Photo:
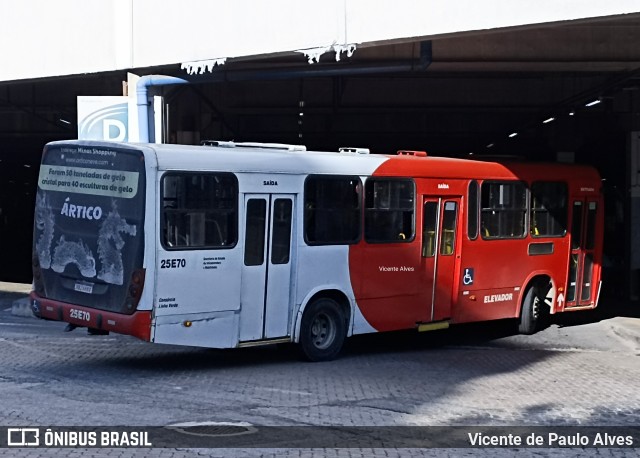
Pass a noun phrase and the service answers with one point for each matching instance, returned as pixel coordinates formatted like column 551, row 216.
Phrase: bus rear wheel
column 534, row 310
column 323, row 330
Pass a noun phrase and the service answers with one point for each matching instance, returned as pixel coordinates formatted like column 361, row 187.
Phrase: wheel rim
column 323, row 331
column 535, row 308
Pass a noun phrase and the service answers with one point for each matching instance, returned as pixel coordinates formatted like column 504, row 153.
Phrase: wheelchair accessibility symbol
column 467, row 278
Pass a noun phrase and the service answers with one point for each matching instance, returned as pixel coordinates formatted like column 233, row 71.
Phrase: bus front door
column 580, row 288
column 266, row 272
column 439, row 228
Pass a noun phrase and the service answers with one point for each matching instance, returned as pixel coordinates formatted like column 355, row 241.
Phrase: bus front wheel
column 323, row 330
column 531, row 313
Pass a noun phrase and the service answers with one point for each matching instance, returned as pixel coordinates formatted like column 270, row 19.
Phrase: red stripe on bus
column 137, row 324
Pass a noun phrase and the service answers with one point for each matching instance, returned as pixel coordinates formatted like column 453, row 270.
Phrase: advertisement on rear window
column 88, row 235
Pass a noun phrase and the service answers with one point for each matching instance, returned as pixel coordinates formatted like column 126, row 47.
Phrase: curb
column 22, row 307
column 628, row 329
column 632, row 340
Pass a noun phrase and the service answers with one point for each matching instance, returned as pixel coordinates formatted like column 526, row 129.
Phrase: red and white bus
column 233, row 245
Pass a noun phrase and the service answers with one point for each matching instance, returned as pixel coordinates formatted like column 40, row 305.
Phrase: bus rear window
column 199, row 210
column 89, row 224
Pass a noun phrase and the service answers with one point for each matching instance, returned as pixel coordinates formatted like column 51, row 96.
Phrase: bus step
column 255, row 343
column 424, row 327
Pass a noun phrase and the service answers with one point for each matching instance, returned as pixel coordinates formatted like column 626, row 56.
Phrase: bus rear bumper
column 137, row 324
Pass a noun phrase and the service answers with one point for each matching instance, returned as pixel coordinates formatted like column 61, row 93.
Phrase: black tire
column 323, row 330
column 531, row 313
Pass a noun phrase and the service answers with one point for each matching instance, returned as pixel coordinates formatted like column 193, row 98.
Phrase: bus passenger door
column 266, row 272
column 439, row 237
column 580, row 288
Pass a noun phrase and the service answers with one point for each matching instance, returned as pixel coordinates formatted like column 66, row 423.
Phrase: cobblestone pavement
column 579, row 371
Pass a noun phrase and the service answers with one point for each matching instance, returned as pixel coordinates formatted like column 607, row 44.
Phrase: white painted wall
column 40, row 38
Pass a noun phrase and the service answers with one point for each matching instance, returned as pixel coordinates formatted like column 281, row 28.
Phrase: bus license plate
column 84, row 288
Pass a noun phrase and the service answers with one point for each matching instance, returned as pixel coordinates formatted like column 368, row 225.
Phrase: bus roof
column 251, row 158
column 303, row 162
column 255, row 159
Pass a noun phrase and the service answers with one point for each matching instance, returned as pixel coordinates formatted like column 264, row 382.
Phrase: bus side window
column 472, row 211
column 503, row 209
column 199, row 210
column 447, row 238
column 281, row 236
column 332, row 210
column 429, row 225
column 389, row 204
column 549, row 209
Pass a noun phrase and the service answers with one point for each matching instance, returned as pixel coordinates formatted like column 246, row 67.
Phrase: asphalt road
column 582, row 371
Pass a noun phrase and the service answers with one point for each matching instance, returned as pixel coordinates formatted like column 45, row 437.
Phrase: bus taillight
column 136, row 285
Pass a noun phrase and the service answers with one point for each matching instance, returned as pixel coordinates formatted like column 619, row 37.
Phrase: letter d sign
column 113, row 126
